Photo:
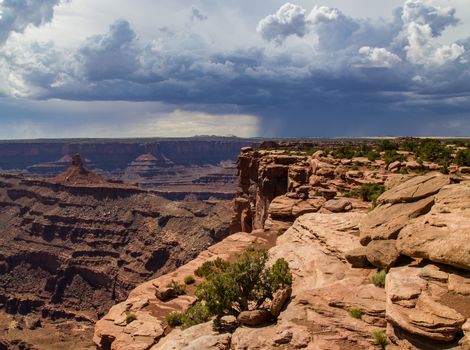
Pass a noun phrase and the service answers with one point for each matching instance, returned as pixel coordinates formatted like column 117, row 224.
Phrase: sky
column 268, row 68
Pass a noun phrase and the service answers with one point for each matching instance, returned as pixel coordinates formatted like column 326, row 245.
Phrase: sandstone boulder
column 382, row 253
column 442, row 235
column 338, row 205
column 415, row 189
column 357, row 257
column 328, row 193
column 321, row 168
column 464, row 170
column 394, row 166
column 254, row 317
column 413, row 165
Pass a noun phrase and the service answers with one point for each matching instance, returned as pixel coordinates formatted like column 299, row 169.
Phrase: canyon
column 375, row 233
column 73, row 245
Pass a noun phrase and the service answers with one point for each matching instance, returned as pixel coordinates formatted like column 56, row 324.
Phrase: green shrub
column 373, row 155
column 379, row 337
column 370, row 192
column 388, row 145
column 343, row 152
column 178, row 287
column 130, row 318
column 195, row 314
column 362, row 151
column 391, row 156
column 379, row 279
column 411, row 145
column 434, row 151
column 444, row 169
column 210, row 267
column 189, row 280
column 463, row 157
column 246, row 281
column 174, row 319
column 355, row 313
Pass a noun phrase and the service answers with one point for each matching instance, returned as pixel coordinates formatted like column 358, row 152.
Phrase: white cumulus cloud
column 288, row 20
column 378, row 57
column 423, row 49
column 438, row 19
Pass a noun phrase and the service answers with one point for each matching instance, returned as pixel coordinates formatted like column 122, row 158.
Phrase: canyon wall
column 118, row 154
column 74, row 245
column 173, row 167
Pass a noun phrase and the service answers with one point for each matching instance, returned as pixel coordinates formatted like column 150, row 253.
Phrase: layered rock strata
column 74, row 245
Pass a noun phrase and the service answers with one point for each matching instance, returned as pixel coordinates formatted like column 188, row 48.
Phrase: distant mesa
column 51, row 168
column 151, row 158
column 148, row 165
column 77, row 174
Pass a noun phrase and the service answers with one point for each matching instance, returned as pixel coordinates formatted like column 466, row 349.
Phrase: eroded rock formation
column 418, row 233
column 74, row 245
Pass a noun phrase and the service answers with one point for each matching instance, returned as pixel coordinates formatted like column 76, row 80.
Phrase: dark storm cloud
column 326, row 74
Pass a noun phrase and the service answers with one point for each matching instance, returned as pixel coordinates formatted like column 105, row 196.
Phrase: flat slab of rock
column 386, row 221
column 198, row 337
column 286, row 208
column 417, row 188
column 396, row 179
column 442, row 235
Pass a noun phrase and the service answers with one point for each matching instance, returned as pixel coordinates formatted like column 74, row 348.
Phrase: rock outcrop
column 112, row 333
column 442, row 235
column 426, row 218
column 316, row 317
column 333, row 257
column 284, row 185
column 416, row 303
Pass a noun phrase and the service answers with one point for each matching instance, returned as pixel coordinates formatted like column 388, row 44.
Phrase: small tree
column 244, row 282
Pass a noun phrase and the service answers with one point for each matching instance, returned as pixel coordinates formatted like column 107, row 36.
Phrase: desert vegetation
column 379, row 279
column 380, row 338
column 231, row 288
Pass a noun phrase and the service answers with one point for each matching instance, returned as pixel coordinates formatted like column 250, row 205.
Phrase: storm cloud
column 311, row 72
